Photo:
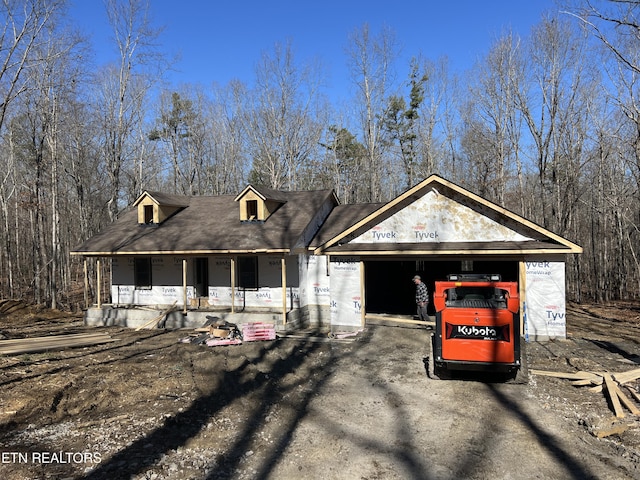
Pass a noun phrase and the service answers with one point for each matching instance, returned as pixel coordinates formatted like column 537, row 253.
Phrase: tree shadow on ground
column 272, row 384
column 233, row 385
column 494, row 382
column 575, row 469
column 613, row 348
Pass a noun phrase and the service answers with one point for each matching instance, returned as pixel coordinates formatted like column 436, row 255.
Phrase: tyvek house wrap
column 545, row 304
column 436, row 218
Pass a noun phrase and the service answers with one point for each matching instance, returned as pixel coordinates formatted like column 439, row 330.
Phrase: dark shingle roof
column 167, row 199
column 210, row 225
column 341, row 218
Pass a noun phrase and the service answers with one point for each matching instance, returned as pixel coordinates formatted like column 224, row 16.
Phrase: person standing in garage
column 422, row 298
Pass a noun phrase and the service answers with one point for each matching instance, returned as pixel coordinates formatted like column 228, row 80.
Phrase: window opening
column 142, row 273
column 248, row 272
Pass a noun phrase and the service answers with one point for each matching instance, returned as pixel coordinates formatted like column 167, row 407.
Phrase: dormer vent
column 258, row 203
column 154, row 208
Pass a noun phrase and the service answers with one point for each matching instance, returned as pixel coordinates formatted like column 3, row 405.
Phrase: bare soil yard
column 149, row 407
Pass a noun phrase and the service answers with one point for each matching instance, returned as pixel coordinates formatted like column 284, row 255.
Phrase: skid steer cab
column 477, row 327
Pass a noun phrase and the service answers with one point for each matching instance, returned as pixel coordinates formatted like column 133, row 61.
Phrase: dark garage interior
column 389, row 288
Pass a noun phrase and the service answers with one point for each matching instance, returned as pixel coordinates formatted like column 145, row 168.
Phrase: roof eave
column 254, row 251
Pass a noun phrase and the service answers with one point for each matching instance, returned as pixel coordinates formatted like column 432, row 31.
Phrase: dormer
column 258, row 203
column 154, row 207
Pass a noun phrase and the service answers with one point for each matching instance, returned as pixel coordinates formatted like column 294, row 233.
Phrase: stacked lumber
column 257, row 331
column 52, row 342
column 610, row 383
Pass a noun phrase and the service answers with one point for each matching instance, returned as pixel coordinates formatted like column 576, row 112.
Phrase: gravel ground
column 150, row 407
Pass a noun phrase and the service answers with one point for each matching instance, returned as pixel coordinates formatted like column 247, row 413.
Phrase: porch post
column 184, row 284
column 233, row 284
column 86, row 283
column 99, row 281
column 362, row 304
column 283, row 266
column 522, row 285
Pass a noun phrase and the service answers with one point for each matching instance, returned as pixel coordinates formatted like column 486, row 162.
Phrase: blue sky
column 222, row 40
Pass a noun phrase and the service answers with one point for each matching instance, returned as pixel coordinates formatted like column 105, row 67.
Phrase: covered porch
column 187, row 291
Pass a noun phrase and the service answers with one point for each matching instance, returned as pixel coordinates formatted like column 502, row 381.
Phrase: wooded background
column 546, row 125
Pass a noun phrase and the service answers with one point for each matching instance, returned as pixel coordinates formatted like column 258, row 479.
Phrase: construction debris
column 341, row 335
column 218, row 333
column 153, row 323
column 256, row 331
column 610, row 382
column 609, row 426
column 52, row 342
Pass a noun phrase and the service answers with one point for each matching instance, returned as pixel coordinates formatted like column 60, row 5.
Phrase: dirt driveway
column 149, row 407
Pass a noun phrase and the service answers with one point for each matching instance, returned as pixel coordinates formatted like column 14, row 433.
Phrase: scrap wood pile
column 612, row 384
column 224, row 333
column 157, row 321
column 52, row 342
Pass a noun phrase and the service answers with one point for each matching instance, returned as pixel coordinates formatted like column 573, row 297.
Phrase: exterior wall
column 243, row 205
column 314, row 281
column 346, row 292
column 315, row 296
column 268, row 295
column 330, row 291
column 220, row 281
column 168, row 288
column 544, row 307
column 166, row 275
column 164, row 212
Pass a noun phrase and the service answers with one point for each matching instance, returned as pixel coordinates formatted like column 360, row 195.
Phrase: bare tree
column 616, row 24
column 493, row 124
column 23, row 22
column 554, row 105
column 21, row 34
column 431, row 128
column 227, row 171
column 285, row 119
column 370, row 59
column 124, row 85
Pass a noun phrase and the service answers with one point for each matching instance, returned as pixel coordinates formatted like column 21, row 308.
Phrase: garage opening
column 389, row 288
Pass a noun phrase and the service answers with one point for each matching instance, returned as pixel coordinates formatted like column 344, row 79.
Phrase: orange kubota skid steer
column 477, row 327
